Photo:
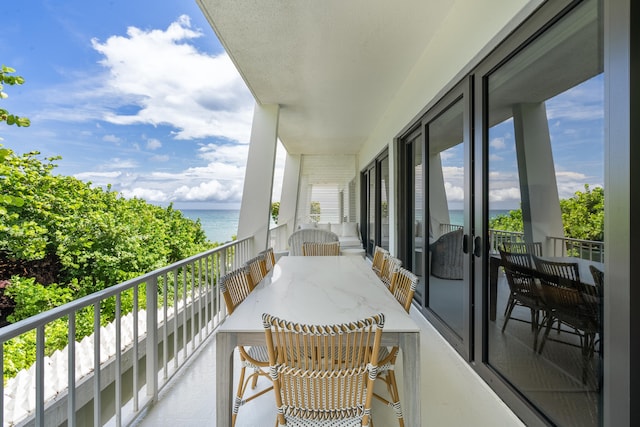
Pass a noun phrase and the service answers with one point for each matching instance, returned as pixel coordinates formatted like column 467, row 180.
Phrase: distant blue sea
column 220, row 225
column 457, row 216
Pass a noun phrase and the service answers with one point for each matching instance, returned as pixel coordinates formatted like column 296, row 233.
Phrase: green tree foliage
column 275, row 211
column 511, row 221
column 315, row 211
column 9, row 119
column 6, row 78
column 99, row 237
column 582, row 216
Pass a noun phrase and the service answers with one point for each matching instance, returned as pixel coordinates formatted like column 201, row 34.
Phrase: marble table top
column 319, row 290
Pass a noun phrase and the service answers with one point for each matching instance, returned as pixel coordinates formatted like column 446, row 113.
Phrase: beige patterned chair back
column 323, row 374
column 297, row 238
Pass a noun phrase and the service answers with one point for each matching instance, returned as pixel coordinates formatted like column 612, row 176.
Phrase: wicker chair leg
column 389, row 379
column 256, row 374
column 238, row 400
column 395, row 396
column 512, row 303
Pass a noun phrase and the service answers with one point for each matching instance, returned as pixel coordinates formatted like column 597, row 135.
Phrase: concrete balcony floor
column 452, row 394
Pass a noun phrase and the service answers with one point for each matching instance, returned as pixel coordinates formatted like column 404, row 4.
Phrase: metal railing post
column 152, row 338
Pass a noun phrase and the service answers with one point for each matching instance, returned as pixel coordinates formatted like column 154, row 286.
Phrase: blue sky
column 137, row 94
column 576, row 130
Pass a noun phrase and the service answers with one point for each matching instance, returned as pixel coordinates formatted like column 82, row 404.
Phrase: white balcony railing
column 556, row 246
column 134, row 356
column 278, row 236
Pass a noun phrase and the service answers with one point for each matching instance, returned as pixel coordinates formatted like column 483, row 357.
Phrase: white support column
column 289, row 197
column 258, row 182
column 438, row 207
column 538, row 188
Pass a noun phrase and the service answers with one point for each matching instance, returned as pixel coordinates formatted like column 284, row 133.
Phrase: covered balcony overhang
column 333, row 67
column 337, row 68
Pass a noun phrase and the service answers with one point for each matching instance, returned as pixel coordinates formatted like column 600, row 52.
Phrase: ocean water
column 457, row 216
column 220, row 225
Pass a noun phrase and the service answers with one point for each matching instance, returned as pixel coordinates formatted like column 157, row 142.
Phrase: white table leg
column 410, row 345
column 225, row 344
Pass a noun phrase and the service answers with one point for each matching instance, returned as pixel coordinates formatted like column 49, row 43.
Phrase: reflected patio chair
column 378, row 259
column 269, row 258
column 321, row 249
column 533, row 248
column 571, row 303
column 563, row 270
column 257, row 268
column 523, row 290
column 598, row 278
column 323, row 374
column 235, row 287
column 447, row 256
column 403, row 287
column 390, row 265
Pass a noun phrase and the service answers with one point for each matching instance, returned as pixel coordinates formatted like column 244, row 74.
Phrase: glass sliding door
column 384, row 201
column 544, row 141
column 435, row 182
column 447, row 176
column 411, row 226
column 375, row 197
column 371, row 210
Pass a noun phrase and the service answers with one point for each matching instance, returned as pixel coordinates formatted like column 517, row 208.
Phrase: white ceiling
column 332, row 65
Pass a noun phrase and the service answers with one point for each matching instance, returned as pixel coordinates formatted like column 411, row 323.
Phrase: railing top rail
column 25, row 325
column 581, row 241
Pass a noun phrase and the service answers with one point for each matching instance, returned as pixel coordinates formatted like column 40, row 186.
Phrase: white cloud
column 224, row 153
column 511, row 194
column 497, row 143
column 160, row 158
column 147, row 194
column 117, row 163
column 156, row 77
column 111, row 138
column 214, row 191
column 172, row 83
column 454, row 193
column 153, row 144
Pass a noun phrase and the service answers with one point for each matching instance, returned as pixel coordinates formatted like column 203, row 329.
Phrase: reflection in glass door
column 545, row 181
column 412, row 229
column 446, row 189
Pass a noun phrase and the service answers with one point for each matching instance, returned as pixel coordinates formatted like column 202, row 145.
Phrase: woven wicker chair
column 297, row 238
column 570, row 303
column 269, row 258
column 323, row 375
column 447, row 257
column 235, row 287
column 523, row 290
column 389, row 266
column 403, row 286
column 321, row 249
column 257, row 268
column 533, row 248
column 378, row 259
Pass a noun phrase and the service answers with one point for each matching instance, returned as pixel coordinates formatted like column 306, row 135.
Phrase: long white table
column 318, row 290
